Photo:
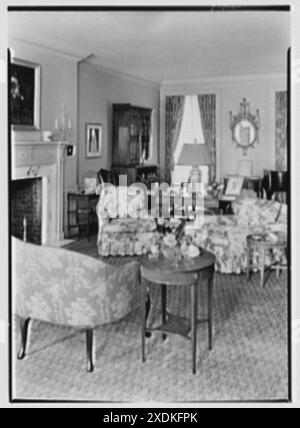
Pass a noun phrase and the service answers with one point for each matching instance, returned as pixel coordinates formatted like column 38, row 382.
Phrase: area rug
column 249, row 361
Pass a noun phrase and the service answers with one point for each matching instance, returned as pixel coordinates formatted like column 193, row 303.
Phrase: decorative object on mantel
column 63, row 126
column 93, row 140
column 47, row 136
column 25, row 79
column 33, row 171
column 245, row 127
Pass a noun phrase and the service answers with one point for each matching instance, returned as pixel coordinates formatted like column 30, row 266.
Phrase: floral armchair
column 225, row 236
column 125, row 228
column 63, row 287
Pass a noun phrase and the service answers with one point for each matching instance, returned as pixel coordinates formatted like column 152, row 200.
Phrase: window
column 191, row 132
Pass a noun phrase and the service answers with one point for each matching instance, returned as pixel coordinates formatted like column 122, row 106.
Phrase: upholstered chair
column 63, row 287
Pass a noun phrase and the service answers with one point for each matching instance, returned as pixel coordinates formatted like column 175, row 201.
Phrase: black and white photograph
column 93, row 140
column 154, row 262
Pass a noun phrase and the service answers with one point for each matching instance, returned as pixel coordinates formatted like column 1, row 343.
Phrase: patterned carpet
column 249, row 360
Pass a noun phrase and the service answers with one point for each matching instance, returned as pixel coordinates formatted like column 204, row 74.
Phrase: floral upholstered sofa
column 125, row 228
column 225, row 236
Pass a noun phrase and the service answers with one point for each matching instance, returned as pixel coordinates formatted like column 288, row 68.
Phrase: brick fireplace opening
column 26, row 209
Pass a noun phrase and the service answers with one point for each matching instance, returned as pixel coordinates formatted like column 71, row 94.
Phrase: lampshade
column 195, row 154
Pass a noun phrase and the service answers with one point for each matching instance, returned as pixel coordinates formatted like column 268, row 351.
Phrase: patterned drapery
column 281, row 131
column 207, row 104
column 174, row 114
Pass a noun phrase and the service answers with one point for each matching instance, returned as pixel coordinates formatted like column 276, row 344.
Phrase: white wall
column 259, row 91
column 98, row 90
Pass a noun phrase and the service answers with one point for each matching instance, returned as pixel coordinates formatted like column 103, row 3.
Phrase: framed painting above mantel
column 25, row 97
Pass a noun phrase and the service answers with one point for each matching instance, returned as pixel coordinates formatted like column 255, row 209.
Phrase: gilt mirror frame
column 245, row 115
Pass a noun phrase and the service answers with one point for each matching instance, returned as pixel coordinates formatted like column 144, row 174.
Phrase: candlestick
column 24, row 229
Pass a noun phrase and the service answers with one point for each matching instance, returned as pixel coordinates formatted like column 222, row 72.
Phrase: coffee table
column 189, row 273
column 263, row 242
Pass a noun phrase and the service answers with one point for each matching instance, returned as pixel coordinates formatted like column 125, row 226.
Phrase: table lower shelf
column 176, row 325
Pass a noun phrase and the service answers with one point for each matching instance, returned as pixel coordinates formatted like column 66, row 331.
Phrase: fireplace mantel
column 30, row 153
column 46, row 160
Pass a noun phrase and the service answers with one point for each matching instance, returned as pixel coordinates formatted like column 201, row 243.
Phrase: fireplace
column 37, row 189
column 26, row 209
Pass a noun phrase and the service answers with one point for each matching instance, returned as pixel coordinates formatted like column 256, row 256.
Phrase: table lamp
column 195, row 155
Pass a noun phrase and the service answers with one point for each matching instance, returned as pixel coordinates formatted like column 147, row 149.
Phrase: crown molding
column 80, row 55
column 131, row 77
column 64, row 51
column 228, row 79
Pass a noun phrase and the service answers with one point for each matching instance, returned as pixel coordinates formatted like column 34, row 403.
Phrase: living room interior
column 159, row 97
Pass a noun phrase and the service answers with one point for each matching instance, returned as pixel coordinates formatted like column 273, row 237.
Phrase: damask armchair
column 63, row 287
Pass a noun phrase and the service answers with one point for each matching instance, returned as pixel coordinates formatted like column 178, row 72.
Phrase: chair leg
column 194, row 305
column 210, row 312
column 24, row 324
column 89, row 350
column 164, row 307
column 262, row 268
column 147, row 307
column 143, row 316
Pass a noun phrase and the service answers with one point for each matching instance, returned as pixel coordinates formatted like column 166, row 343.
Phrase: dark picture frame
column 93, row 140
column 25, row 97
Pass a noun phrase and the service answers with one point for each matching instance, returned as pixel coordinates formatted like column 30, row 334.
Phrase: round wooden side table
column 189, row 273
column 262, row 243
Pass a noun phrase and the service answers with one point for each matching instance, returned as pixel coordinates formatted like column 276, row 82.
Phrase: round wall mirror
column 245, row 127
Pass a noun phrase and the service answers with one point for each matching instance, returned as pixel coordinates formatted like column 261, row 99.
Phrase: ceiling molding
column 94, row 61
column 228, row 79
column 79, row 55
column 64, row 51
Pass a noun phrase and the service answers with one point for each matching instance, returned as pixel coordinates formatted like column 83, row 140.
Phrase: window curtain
column 207, row 104
column 174, row 115
column 281, row 131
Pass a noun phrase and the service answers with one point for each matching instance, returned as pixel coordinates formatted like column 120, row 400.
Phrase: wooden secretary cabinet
column 131, row 139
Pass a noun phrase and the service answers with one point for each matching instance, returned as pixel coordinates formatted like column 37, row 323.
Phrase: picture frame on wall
column 25, row 94
column 93, row 137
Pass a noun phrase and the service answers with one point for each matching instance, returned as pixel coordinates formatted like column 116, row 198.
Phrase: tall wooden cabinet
column 131, row 139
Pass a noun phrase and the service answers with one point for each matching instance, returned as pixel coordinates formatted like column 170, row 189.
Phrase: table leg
column 278, row 272
column 147, row 309
column 210, row 311
column 69, row 217
column 262, row 268
column 143, row 316
column 194, row 315
column 164, row 306
column 248, row 261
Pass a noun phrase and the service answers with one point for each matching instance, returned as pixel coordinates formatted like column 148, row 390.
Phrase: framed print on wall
column 25, row 97
column 93, row 137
